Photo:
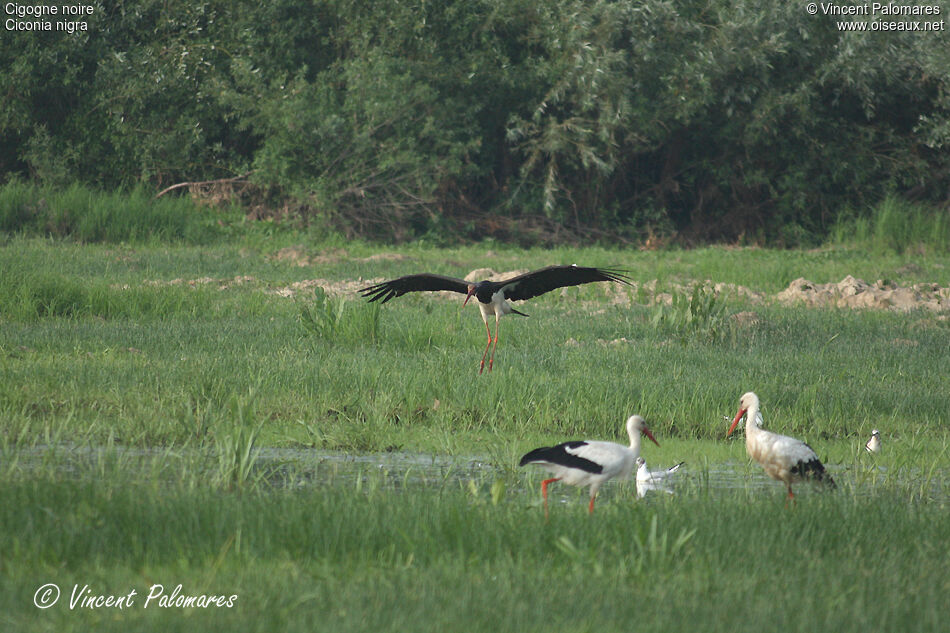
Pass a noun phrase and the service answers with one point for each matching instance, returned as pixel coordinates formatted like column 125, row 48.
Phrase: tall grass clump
column 699, row 315
column 87, row 215
column 17, row 205
column 336, row 319
column 897, row 226
column 235, row 444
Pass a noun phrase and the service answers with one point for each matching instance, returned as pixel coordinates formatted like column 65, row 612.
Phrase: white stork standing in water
column 589, row 463
column 784, row 458
column 648, row 480
column 873, row 445
column 493, row 296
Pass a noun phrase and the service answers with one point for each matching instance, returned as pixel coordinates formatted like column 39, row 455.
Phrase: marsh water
column 281, row 468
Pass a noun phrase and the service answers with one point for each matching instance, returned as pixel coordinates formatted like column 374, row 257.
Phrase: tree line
column 518, row 119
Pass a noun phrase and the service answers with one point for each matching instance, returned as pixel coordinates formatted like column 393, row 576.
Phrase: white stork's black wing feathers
column 547, row 279
column 562, row 455
column 413, row 283
column 813, row 469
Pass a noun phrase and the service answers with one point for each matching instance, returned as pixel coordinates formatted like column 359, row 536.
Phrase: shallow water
column 312, row 466
column 279, row 466
column 301, row 467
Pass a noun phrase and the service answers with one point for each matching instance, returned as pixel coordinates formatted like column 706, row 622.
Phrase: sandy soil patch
column 857, row 293
column 223, row 284
column 298, row 256
column 347, row 289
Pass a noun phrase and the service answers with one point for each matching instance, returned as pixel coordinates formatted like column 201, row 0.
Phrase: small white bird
column 873, row 445
column 784, row 458
column 648, row 480
column 589, row 463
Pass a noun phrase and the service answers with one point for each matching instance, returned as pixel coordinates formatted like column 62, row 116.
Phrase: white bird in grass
column 784, row 458
column 873, row 445
column 589, row 463
column 648, row 480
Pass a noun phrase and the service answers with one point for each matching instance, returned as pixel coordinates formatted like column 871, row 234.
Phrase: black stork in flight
column 493, row 296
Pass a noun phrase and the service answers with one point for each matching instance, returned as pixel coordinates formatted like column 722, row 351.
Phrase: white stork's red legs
column 493, row 296
column 784, row 458
column 589, row 463
column 544, row 493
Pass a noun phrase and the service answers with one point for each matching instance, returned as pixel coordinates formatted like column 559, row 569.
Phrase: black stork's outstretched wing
column 518, row 288
column 413, row 283
column 547, row 279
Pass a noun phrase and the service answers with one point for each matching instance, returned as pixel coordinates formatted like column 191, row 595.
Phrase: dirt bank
column 850, row 292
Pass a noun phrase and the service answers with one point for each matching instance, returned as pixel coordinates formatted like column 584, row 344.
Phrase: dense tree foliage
column 711, row 119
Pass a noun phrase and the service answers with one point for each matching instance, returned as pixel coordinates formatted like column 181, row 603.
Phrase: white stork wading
column 648, row 480
column 493, row 296
column 873, row 445
column 589, row 463
column 783, row 458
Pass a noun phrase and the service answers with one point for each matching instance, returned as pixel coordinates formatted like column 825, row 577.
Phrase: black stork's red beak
column 471, row 291
column 735, row 422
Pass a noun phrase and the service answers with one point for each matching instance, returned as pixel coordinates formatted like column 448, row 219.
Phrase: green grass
column 342, row 555
column 91, row 346
column 134, row 409
column 164, row 377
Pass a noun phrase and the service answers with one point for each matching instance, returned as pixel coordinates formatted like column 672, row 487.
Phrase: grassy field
column 170, row 364
column 441, row 557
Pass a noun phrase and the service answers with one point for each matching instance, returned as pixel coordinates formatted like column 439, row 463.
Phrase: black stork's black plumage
column 493, row 296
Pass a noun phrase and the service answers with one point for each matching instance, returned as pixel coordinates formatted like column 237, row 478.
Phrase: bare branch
column 201, row 183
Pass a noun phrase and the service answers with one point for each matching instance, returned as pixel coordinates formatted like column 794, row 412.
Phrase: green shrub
column 711, row 120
